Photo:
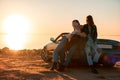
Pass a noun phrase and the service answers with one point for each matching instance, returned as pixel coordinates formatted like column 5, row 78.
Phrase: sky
column 52, row 17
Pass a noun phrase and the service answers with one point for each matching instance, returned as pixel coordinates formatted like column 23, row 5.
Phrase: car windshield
column 59, row 37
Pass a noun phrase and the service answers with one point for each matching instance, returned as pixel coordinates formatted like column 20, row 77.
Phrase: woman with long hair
column 91, row 32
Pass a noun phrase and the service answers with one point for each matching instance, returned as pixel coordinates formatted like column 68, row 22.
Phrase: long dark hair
column 89, row 19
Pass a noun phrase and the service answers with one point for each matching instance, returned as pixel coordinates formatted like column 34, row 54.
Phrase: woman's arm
column 82, row 34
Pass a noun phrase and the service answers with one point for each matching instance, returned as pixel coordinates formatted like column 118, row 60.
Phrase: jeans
column 70, row 54
column 60, row 50
column 91, row 47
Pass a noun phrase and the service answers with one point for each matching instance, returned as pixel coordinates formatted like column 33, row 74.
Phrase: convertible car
column 108, row 49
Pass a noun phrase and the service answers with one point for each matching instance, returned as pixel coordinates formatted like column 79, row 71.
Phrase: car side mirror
column 52, row 39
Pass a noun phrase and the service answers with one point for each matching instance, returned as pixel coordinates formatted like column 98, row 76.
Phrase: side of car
column 109, row 51
column 48, row 49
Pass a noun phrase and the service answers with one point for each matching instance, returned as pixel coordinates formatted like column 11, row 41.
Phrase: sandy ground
column 27, row 68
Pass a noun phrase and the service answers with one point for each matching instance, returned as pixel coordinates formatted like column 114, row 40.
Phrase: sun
column 16, row 26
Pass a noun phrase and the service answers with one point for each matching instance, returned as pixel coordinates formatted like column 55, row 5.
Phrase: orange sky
column 53, row 17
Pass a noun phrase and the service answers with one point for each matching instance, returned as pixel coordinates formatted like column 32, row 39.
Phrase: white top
column 77, row 30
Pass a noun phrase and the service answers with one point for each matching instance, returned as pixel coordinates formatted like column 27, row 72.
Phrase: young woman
column 91, row 32
column 59, row 52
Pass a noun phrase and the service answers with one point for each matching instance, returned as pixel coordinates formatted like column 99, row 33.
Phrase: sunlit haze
column 30, row 23
column 16, row 27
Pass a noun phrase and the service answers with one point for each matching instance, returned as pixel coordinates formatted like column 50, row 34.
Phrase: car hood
column 51, row 46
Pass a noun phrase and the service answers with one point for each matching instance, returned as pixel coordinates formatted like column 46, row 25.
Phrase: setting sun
column 16, row 26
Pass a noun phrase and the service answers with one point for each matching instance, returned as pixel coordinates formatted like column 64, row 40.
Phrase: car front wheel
column 46, row 55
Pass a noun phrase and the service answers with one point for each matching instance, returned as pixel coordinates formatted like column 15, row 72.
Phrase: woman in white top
column 59, row 52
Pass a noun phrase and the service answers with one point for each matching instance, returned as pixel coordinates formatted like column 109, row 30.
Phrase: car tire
column 45, row 55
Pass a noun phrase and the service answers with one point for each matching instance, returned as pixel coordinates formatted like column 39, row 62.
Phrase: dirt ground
column 34, row 68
